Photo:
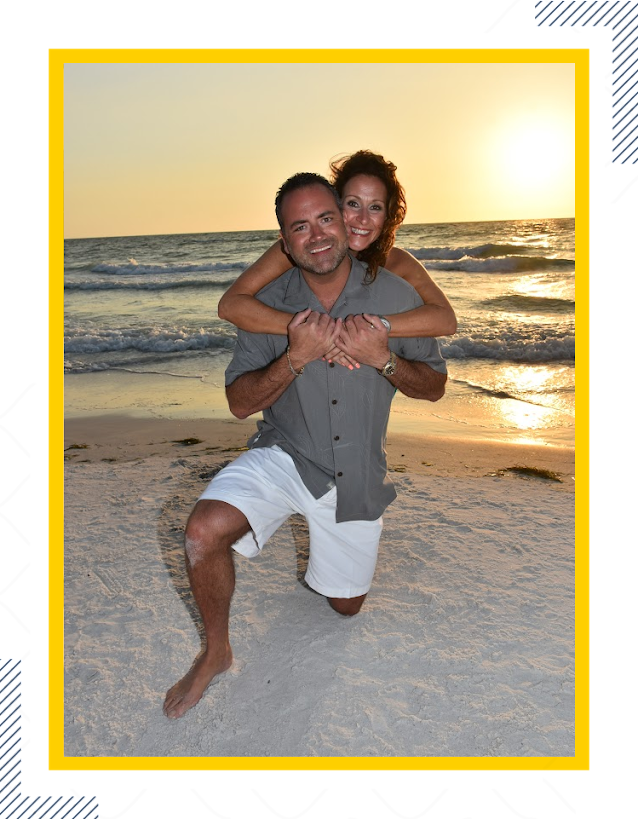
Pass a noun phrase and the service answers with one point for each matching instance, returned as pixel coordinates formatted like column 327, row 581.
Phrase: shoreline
column 125, row 438
column 190, row 396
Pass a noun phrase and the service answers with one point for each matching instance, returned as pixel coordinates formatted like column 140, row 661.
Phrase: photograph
column 312, row 307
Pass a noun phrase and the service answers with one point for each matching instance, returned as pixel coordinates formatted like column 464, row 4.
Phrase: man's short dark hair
column 298, row 181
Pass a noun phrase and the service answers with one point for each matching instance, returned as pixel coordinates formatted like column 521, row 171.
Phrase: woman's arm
column 436, row 317
column 239, row 305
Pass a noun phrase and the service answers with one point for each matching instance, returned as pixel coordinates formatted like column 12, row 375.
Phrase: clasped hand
column 350, row 341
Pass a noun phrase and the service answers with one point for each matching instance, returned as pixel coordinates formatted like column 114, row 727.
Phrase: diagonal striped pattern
column 10, row 681
column 620, row 18
column 10, row 739
column 17, row 805
column 615, row 13
column 13, row 804
column 624, row 99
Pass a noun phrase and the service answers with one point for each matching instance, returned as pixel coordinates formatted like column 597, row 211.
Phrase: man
column 320, row 449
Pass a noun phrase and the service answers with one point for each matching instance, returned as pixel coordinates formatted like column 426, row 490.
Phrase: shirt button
column 336, row 437
column 334, row 400
column 339, row 474
column 332, row 363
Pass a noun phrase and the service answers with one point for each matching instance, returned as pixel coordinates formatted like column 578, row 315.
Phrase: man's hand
column 311, row 335
column 365, row 339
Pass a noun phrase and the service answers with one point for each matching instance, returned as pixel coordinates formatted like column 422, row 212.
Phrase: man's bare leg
column 211, row 530
column 348, row 606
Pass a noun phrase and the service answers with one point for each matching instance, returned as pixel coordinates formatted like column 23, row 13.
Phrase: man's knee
column 348, row 606
column 213, row 525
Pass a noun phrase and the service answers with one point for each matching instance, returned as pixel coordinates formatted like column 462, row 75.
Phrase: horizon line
column 276, row 229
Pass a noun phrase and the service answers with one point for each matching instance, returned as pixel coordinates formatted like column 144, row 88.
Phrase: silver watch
column 391, row 367
column 385, row 323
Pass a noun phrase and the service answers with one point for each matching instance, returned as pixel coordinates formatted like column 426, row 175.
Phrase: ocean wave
column 474, row 251
column 75, row 267
column 147, row 341
column 505, row 347
column 429, row 253
column 145, row 277
column 506, row 264
column 132, row 268
column 491, row 249
column 510, row 348
column 486, row 251
column 531, row 304
column 148, row 285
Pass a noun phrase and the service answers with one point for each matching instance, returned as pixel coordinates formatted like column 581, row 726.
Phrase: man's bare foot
column 189, row 690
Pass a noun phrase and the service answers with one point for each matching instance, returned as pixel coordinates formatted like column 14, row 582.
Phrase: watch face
column 391, row 367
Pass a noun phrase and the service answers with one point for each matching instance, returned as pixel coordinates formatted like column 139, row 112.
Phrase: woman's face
column 364, row 210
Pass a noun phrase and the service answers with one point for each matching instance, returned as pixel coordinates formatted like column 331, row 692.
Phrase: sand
column 464, row 647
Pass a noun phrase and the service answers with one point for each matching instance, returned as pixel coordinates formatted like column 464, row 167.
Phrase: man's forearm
column 416, row 379
column 310, row 334
column 254, row 391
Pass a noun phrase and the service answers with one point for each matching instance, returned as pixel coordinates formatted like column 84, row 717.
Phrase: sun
column 532, row 154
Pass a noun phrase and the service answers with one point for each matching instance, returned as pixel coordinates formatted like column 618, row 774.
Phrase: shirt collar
column 299, row 296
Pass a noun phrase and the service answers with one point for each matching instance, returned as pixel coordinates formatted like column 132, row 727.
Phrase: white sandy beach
column 464, row 647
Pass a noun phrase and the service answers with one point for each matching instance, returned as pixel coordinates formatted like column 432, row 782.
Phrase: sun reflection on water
column 523, row 415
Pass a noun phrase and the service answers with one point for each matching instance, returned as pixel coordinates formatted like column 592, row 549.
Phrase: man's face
column 313, row 230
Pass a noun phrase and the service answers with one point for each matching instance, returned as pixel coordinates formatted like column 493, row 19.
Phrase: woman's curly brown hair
column 371, row 164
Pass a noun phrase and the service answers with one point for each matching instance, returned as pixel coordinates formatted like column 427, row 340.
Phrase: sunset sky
column 187, row 148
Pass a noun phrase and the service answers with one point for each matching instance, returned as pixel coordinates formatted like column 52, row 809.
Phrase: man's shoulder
column 274, row 292
column 388, row 282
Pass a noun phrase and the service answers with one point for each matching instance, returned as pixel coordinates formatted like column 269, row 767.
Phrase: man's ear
column 283, row 241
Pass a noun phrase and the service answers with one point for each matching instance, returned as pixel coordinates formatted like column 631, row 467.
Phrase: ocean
column 142, row 335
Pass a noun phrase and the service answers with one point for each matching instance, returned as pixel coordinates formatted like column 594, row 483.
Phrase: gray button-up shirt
column 331, row 420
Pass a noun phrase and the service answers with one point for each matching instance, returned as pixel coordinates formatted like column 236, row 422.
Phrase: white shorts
column 264, row 484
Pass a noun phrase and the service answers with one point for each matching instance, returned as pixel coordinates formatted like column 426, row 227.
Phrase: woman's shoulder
column 399, row 261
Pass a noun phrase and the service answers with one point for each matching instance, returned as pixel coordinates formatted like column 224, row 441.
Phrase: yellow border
column 57, row 60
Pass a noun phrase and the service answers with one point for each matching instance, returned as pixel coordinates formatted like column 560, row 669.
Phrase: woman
column 373, row 207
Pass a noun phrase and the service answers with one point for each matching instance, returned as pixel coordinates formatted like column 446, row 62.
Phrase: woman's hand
column 339, row 357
